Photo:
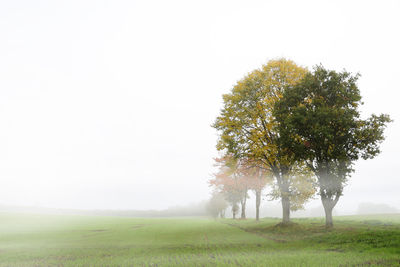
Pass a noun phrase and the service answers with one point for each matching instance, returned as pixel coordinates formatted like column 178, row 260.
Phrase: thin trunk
column 243, row 203
column 222, row 214
column 258, row 202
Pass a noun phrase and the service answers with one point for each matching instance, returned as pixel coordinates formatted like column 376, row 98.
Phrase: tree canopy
column 319, row 123
column 247, row 126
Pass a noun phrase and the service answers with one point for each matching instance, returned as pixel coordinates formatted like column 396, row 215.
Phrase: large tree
column 247, row 127
column 319, row 122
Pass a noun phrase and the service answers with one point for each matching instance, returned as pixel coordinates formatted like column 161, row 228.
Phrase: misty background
column 107, row 105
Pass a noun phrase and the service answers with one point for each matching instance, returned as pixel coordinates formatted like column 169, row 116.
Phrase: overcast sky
column 108, row 104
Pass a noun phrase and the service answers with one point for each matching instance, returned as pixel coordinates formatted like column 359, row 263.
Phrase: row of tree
column 299, row 131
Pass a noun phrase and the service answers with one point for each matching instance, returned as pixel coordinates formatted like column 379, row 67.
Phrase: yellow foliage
column 247, row 126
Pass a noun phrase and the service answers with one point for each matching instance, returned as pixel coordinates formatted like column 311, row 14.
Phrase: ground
column 61, row 240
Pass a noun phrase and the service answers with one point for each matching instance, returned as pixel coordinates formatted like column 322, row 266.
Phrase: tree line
column 297, row 131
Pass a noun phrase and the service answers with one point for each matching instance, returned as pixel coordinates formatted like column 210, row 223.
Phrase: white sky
column 108, row 104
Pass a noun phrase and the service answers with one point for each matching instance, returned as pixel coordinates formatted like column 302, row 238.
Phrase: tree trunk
column 258, row 202
column 243, row 203
column 329, row 204
column 234, row 214
column 285, row 194
column 330, row 192
column 285, row 197
column 222, row 214
column 285, row 209
column 328, row 217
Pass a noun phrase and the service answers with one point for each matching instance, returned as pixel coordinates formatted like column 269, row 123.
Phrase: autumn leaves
column 295, row 130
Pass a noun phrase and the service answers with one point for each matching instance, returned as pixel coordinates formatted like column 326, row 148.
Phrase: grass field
column 61, row 240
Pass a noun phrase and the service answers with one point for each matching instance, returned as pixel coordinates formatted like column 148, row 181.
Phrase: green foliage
column 319, row 119
column 319, row 122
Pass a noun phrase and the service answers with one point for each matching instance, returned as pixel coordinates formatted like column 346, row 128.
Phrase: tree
column 235, row 208
column 236, row 177
column 248, row 129
column 319, row 122
column 256, row 178
column 244, row 181
column 228, row 181
column 217, row 205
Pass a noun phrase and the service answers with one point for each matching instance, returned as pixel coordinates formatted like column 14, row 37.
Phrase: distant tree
column 217, row 205
column 318, row 121
column 256, row 178
column 247, row 126
column 230, row 181
column 244, row 183
column 235, row 209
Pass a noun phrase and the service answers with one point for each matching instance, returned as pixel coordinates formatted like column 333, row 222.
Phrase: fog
column 107, row 105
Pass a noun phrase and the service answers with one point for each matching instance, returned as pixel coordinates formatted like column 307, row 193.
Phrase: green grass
column 58, row 240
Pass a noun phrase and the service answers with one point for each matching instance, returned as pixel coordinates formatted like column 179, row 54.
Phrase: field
column 61, row 240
